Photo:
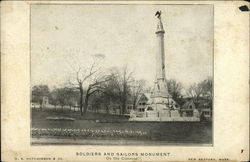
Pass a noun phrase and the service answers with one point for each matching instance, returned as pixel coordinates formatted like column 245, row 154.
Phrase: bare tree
column 101, row 99
column 174, row 88
column 39, row 92
column 81, row 78
column 207, row 87
column 121, row 81
column 61, row 96
column 71, row 96
column 201, row 89
column 109, row 93
column 86, row 78
column 136, row 89
column 95, row 86
column 195, row 90
column 53, row 98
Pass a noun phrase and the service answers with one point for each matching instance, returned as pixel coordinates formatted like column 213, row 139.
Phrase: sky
column 124, row 35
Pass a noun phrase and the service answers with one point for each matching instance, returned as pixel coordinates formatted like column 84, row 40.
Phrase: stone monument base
column 166, row 119
column 166, row 116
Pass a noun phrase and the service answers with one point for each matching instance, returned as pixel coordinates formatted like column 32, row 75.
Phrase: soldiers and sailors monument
column 161, row 106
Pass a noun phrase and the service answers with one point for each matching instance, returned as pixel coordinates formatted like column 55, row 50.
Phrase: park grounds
column 65, row 127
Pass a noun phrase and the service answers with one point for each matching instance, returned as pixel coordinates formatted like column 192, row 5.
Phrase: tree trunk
column 81, row 96
column 86, row 103
column 134, row 105
column 87, row 99
column 107, row 109
column 120, row 108
column 96, row 108
column 41, row 105
column 124, row 98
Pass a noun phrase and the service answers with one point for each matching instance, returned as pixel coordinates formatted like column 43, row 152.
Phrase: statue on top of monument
column 158, row 14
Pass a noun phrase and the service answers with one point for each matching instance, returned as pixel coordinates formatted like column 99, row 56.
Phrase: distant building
column 129, row 107
column 204, row 106
column 141, row 104
column 187, row 108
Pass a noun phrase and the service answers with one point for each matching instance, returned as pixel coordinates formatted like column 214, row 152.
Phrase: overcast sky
column 125, row 35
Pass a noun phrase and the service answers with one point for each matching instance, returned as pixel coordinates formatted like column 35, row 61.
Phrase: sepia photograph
column 121, row 74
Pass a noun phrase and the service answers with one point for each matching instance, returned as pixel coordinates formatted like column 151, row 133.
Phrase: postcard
column 125, row 81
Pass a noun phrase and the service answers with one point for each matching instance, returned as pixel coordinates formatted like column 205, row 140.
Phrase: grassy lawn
column 174, row 132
